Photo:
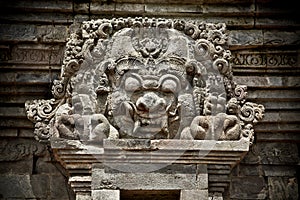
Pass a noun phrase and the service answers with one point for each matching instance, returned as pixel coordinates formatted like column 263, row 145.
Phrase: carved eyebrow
column 170, row 77
column 132, row 84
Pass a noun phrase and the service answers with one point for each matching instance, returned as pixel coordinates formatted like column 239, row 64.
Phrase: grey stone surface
column 248, row 187
column 16, row 32
column 106, row 194
column 16, row 186
column 40, row 185
column 98, row 7
column 125, row 7
column 193, row 194
column 18, row 149
column 147, row 181
column 281, row 37
column 53, row 34
column 17, row 167
column 8, row 132
column 159, row 8
column 248, row 38
column 283, row 188
column 58, row 187
column 81, row 7
column 272, row 153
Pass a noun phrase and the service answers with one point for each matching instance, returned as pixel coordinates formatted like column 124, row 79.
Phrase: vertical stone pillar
column 216, row 197
column 106, row 194
column 201, row 190
column 80, row 196
column 193, row 194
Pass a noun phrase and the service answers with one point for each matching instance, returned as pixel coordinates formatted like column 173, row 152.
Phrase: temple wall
column 264, row 41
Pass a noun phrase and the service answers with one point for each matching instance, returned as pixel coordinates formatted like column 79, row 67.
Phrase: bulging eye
column 169, row 85
column 132, row 84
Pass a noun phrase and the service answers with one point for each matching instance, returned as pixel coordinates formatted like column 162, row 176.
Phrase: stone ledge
column 151, row 151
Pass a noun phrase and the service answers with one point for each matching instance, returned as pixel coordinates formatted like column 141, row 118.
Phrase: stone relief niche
column 145, row 90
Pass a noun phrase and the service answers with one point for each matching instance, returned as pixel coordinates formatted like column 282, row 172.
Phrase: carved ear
column 231, row 128
column 199, row 127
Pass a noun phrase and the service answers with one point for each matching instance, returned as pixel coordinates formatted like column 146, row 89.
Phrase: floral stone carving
column 147, row 79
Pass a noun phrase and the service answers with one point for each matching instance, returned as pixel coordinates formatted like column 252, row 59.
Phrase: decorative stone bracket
column 193, row 167
column 145, row 94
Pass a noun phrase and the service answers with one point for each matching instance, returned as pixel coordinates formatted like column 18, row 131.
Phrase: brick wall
column 264, row 40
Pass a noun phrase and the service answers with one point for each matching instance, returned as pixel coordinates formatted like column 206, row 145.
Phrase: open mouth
column 149, row 127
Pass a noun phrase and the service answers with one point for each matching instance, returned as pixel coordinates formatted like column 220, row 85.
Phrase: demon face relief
column 146, row 79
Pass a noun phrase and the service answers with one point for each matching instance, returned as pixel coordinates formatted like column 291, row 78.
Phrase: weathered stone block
column 272, row 153
column 26, row 133
column 169, row 8
column 40, row 185
column 276, row 61
column 4, row 52
column 281, row 38
column 276, row 22
column 125, row 7
column 148, row 181
column 16, row 186
column 246, row 38
column 17, row 167
column 268, row 82
column 58, row 187
column 18, row 149
column 193, row 194
column 32, row 17
column 39, row 6
column 81, row 7
column 250, row 170
column 228, row 9
column 230, row 21
column 248, row 187
column 97, row 7
column 279, row 136
column 270, row 170
column 11, row 111
column 283, row 188
column 80, row 196
column 5, row 132
column 39, row 54
column 46, row 166
column 106, row 194
column 50, row 33
column 18, row 32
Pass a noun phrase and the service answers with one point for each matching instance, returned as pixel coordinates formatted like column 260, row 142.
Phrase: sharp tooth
column 136, row 125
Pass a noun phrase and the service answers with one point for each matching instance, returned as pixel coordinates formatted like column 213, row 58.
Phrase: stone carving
column 265, row 59
column 149, row 79
column 13, row 150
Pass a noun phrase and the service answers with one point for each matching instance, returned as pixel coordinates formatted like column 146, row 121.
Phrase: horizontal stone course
column 273, row 153
column 38, row 6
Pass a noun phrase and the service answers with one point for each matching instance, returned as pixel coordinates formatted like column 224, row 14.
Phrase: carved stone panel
column 137, row 95
column 146, row 79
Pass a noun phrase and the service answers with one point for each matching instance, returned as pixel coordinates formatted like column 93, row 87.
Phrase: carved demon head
column 150, row 79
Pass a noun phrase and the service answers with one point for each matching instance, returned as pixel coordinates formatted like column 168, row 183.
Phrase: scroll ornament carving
column 146, row 78
column 14, row 150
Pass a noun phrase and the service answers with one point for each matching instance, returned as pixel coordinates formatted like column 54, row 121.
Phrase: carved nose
column 150, row 101
column 142, row 105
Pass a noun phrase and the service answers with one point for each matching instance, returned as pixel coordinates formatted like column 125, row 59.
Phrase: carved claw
column 199, row 127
